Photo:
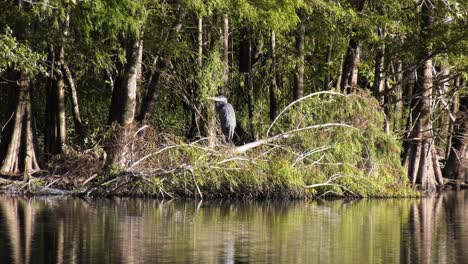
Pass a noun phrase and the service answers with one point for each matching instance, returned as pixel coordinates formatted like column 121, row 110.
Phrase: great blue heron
column 226, row 114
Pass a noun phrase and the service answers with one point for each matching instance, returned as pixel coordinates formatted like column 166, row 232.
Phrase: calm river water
column 70, row 230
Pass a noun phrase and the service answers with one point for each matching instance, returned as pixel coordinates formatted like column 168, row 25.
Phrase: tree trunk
column 210, row 124
column 61, row 117
column 350, row 67
column 202, row 120
column 139, row 71
column 454, row 108
column 424, row 170
column 250, row 89
column 409, row 102
column 386, row 100
column 122, row 110
column 19, row 139
column 457, row 162
column 149, row 98
column 56, row 129
column 204, row 115
column 339, row 74
column 398, row 110
column 408, row 84
column 424, row 134
column 351, row 61
column 445, row 110
column 55, row 111
column 273, row 83
column 437, row 170
column 197, row 123
column 66, row 72
column 79, row 126
column 298, row 91
column 379, row 68
column 225, row 44
column 327, row 84
column 200, row 42
column 124, row 94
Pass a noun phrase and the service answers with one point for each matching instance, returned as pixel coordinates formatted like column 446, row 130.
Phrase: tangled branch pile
column 326, row 145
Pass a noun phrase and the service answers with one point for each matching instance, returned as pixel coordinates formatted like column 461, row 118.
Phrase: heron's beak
column 214, row 99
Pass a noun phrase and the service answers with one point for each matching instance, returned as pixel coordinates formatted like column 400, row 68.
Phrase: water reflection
column 67, row 230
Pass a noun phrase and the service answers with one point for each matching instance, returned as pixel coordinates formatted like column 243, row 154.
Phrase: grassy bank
column 325, row 145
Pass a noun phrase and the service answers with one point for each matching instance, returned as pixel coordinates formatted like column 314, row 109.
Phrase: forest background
column 349, row 98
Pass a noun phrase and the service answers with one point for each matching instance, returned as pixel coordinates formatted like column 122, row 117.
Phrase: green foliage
column 366, row 158
column 265, row 15
column 18, row 56
column 359, row 162
column 209, row 78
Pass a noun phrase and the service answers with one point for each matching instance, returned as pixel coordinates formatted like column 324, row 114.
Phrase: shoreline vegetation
column 350, row 98
column 337, row 152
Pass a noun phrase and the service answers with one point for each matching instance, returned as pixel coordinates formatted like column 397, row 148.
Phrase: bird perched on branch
column 227, row 116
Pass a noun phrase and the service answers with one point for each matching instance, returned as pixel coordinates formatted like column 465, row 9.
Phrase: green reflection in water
column 68, row 230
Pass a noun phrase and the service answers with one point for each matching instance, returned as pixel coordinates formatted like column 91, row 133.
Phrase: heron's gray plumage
column 227, row 116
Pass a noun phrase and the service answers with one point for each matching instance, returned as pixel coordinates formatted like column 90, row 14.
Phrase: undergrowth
column 358, row 160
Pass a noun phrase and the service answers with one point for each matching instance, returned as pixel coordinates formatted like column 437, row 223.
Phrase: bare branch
column 151, row 154
column 327, row 183
column 8, row 121
column 298, row 101
column 258, row 143
column 309, row 153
